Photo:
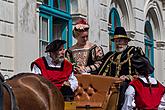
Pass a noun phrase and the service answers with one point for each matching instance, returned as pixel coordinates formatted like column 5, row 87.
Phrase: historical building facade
column 143, row 20
column 27, row 26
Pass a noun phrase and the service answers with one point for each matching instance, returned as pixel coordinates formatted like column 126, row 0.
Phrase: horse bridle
column 5, row 85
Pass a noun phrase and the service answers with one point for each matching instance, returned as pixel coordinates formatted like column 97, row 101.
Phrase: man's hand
column 81, row 69
column 128, row 77
column 123, row 78
column 66, row 83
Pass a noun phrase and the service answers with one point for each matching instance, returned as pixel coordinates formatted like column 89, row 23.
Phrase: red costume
column 146, row 99
column 56, row 75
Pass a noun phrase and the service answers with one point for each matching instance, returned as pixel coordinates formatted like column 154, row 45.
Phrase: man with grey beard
column 55, row 68
column 119, row 62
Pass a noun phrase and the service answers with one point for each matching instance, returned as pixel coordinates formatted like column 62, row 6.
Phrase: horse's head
column 34, row 92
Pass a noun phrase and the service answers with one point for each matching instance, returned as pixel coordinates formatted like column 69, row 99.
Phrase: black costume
column 116, row 64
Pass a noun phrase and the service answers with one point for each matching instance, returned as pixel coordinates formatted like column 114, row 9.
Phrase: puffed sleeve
column 162, row 103
column 97, row 55
column 69, row 56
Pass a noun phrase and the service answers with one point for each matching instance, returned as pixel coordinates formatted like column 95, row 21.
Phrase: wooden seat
column 70, row 105
column 97, row 92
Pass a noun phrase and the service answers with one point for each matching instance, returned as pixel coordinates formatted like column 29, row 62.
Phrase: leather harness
column 5, row 85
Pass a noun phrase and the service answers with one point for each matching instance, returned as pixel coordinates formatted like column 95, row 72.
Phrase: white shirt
column 130, row 95
column 72, row 79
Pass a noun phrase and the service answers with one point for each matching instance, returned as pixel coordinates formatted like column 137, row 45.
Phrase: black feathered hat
column 142, row 65
column 55, row 45
column 120, row 33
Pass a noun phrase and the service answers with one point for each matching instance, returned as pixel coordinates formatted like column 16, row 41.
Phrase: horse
column 32, row 92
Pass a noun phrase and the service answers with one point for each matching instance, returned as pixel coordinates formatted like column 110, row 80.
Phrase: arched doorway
column 149, row 42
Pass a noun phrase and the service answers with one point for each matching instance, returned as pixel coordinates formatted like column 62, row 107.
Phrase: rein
column 1, row 91
column 1, row 95
column 10, row 91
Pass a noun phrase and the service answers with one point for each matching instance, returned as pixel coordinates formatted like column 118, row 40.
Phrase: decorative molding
column 39, row 0
column 27, row 16
column 131, row 34
column 160, row 44
column 75, row 17
column 38, row 4
column 110, row 29
column 79, row 15
column 163, row 2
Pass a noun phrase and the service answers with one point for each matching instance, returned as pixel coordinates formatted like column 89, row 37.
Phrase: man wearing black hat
column 55, row 68
column 119, row 63
column 146, row 91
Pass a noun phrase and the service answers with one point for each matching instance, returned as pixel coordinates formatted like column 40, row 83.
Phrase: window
column 61, row 5
column 55, row 4
column 45, row 2
column 149, row 49
column 44, row 35
column 55, row 23
column 60, row 28
column 114, row 21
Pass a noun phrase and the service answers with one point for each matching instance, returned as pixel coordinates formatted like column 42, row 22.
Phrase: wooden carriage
column 95, row 93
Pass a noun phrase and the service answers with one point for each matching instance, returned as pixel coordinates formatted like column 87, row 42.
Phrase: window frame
column 113, row 14
column 48, row 11
column 49, row 32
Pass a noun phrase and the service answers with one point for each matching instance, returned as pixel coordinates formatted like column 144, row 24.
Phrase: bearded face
column 58, row 56
column 120, row 44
